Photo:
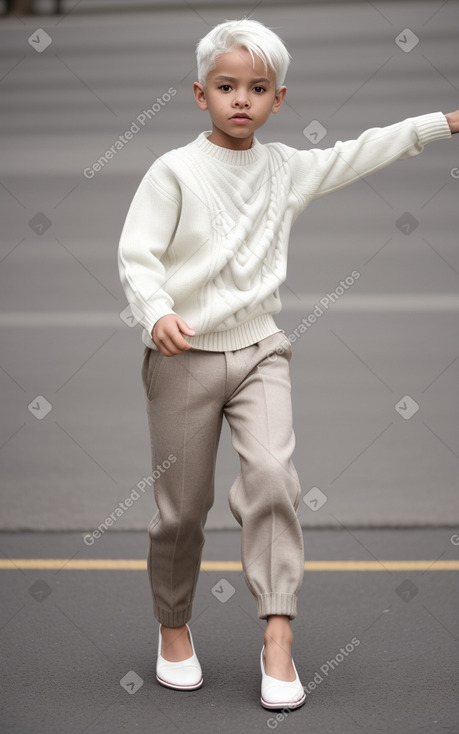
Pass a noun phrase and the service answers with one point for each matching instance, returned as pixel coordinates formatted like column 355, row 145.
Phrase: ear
column 200, row 95
column 279, row 99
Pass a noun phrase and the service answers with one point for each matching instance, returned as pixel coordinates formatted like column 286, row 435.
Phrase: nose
column 240, row 98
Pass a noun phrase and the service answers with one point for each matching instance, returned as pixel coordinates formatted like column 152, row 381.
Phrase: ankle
column 172, row 634
column 171, row 630
column 280, row 622
column 278, row 634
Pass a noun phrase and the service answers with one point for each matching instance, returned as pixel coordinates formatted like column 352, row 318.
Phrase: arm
column 146, row 234
column 318, row 172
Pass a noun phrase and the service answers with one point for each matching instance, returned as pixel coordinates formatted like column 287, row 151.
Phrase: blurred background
column 374, row 380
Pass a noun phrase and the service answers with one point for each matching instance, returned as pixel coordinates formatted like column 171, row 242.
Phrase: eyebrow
column 233, row 79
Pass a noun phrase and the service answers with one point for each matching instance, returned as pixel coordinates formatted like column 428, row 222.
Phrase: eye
column 224, row 85
column 262, row 88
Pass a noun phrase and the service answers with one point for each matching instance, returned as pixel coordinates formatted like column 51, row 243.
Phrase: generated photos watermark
column 123, row 139
column 90, row 538
column 319, row 309
column 319, row 676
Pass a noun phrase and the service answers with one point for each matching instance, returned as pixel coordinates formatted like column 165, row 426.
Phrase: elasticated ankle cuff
column 172, row 619
column 277, row 603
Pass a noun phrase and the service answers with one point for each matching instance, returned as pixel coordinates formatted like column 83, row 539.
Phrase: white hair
column 245, row 33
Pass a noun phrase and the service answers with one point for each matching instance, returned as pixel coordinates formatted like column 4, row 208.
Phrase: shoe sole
column 287, row 705
column 180, row 688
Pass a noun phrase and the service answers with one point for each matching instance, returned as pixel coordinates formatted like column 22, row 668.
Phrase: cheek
column 220, row 107
column 216, row 104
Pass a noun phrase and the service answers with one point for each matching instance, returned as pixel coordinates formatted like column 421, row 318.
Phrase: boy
column 202, row 255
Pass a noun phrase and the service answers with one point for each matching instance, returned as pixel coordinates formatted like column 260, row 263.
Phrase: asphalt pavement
column 375, row 639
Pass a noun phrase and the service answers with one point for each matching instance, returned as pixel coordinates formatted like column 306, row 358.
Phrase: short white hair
column 245, row 33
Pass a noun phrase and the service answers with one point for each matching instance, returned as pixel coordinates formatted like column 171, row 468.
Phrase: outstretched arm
column 318, row 172
column 453, row 121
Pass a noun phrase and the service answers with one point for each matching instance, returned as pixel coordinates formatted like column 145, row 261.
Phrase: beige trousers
column 187, row 395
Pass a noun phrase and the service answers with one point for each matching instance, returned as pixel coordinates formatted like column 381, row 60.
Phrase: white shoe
column 184, row 675
column 278, row 694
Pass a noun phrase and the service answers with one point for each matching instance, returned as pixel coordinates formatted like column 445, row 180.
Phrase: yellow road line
column 102, row 564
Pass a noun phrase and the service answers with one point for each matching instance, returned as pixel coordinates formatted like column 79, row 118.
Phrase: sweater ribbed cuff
column 433, row 126
column 148, row 318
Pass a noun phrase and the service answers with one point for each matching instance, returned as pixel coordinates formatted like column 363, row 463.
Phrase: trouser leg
column 184, row 399
column 265, row 496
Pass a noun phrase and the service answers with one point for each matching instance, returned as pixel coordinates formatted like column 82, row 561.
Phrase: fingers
column 173, row 345
column 183, row 326
column 167, row 335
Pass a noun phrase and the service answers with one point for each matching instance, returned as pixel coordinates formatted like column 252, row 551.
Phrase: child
column 202, row 254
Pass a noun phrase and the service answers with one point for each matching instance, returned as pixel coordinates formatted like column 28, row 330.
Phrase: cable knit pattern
column 206, row 235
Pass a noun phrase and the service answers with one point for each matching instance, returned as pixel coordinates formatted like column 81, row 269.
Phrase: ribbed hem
column 432, row 127
column 277, row 603
column 172, row 619
column 237, row 338
column 229, row 155
column 241, row 336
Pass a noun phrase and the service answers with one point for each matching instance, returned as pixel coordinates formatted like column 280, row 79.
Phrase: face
column 239, row 98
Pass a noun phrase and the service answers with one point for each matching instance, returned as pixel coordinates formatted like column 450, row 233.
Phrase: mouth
column 240, row 116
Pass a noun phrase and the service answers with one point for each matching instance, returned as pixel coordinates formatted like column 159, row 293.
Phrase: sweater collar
column 228, row 155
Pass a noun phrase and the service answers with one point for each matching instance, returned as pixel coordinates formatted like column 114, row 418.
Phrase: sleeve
column 148, row 230
column 318, row 172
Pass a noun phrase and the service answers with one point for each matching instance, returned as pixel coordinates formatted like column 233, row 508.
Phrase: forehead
column 239, row 65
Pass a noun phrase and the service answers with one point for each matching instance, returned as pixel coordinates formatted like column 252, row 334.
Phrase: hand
column 453, row 121
column 167, row 335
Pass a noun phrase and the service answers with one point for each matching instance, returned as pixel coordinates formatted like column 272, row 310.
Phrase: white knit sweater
column 206, row 234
